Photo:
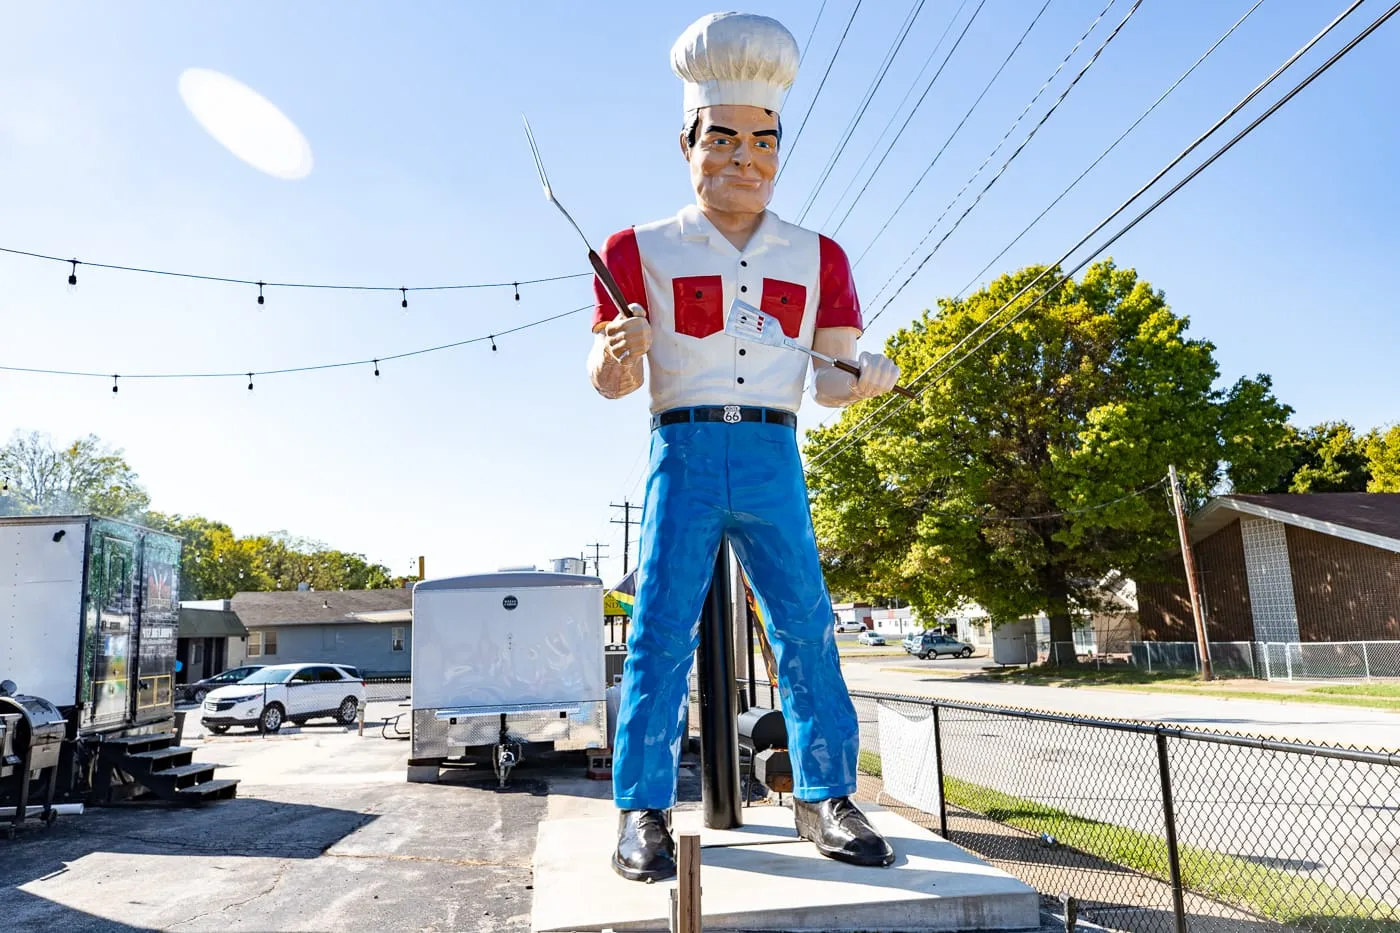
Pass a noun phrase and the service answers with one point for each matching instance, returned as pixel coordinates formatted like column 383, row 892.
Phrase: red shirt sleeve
column 838, row 305
column 624, row 261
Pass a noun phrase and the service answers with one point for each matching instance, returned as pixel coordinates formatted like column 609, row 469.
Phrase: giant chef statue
column 724, row 459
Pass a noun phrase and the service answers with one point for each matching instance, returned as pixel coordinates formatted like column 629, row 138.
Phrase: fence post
column 938, row 765
column 1366, row 660
column 1288, row 659
column 1169, row 817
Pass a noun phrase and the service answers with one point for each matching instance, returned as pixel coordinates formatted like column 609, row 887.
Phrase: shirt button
column 744, row 263
column 741, row 380
column 742, row 351
column 743, row 288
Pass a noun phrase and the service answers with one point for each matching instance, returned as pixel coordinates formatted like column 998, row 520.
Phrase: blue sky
column 479, row 459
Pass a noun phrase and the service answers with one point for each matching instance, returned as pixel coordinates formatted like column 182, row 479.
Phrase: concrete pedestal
column 762, row 877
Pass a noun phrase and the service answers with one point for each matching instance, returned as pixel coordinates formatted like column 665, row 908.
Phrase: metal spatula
column 745, row 322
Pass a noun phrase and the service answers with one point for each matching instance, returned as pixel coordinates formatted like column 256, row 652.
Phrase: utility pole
column 597, row 567
column 627, row 522
column 1188, row 557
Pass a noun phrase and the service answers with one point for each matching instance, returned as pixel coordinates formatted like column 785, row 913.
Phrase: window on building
column 261, row 643
column 396, row 639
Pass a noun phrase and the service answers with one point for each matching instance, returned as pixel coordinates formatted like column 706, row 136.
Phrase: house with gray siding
column 369, row 629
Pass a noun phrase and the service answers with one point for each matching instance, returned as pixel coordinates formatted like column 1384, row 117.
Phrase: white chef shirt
column 687, row 275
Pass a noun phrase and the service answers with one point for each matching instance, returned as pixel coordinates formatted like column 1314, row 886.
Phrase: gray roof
column 209, row 623
column 316, row 607
column 509, row 580
column 1371, row 518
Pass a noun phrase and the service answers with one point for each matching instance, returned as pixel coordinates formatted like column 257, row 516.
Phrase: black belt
column 726, row 414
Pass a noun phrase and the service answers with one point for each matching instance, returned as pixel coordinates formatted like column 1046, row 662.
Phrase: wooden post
column 362, row 719
column 420, row 568
column 1188, row 557
column 688, row 883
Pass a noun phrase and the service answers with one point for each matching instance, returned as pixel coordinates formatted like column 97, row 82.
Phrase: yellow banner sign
column 612, row 606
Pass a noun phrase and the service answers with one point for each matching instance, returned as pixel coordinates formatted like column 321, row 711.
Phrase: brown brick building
column 1322, row 567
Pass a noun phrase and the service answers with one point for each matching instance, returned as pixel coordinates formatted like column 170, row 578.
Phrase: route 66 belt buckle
column 731, row 414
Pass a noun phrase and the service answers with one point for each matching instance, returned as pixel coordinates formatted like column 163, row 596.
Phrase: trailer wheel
column 349, row 708
column 271, row 719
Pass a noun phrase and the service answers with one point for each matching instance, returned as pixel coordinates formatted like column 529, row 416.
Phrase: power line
column 937, row 156
column 1137, row 4
column 812, row 106
column 375, row 361
column 1164, row 95
column 895, row 407
column 928, row 87
column 1113, row 145
column 402, row 289
column 932, row 54
column 864, row 105
column 815, row 23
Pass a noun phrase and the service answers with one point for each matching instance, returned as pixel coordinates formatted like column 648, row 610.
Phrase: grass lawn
column 1270, row 892
column 1384, row 696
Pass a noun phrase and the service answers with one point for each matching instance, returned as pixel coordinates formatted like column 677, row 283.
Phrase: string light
column 232, row 374
column 260, row 294
column 517, row 290
column 404, row 303
column 230, row 280
column 376, row 367
column 250, row 382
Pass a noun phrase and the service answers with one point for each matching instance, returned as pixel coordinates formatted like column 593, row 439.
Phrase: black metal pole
column 1169, row 816
column 938, row 763
column 719, row 704
column 748, row 625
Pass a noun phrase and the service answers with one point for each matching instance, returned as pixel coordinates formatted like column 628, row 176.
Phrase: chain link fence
column 1309, row 660
column 1148, row 827
column 382, row 689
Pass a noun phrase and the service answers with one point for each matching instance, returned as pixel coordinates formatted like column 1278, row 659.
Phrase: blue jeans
column 743, row 480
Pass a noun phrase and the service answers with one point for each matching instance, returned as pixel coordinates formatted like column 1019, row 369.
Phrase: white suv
column 282, row 693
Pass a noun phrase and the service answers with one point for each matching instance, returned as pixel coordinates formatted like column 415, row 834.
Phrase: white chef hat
column 735, row 58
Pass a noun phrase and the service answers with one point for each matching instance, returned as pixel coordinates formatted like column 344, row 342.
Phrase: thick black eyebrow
column 712, row 128
column 766, row 133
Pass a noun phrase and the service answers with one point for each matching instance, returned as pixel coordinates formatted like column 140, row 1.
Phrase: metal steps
column 133, row 766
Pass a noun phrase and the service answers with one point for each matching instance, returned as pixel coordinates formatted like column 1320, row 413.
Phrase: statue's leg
column 773, row 538
column 682, row 520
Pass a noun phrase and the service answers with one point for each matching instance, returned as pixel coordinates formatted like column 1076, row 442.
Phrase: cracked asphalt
column 325, row 834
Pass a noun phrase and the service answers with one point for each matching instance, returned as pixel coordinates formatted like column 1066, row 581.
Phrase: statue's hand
column 878, row 374
column 628, row 338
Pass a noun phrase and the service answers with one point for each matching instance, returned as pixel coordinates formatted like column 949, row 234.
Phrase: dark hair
column 693, row 127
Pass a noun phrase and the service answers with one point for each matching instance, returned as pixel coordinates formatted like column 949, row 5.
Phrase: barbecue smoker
column 88, row 620
column 503, row 662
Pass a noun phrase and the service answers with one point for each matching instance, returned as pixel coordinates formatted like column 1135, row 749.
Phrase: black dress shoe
column 841, row 831
column 645, row 849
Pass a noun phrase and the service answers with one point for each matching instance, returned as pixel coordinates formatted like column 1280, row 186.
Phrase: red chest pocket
column 699, row 304
column 786, row 302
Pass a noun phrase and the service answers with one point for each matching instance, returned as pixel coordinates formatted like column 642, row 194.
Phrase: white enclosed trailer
column 502, row 661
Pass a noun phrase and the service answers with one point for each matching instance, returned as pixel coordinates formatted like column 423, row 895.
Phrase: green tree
column 86, row 476
column 1383, row 460
column 1327, row 457
column 1034, row 469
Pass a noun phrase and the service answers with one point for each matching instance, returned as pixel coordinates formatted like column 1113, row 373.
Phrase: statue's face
column 734, row 159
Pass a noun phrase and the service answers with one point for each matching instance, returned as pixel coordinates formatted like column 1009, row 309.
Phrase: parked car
column 197, row 691
column 853, row 626
column 870, row 638
column 283, row 693
column 911, row 641
column 931, row 646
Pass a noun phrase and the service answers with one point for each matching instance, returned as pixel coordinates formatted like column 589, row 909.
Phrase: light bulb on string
column 260, row 292
column 404, row 303
column 73, row 275
column 517, row 290
column 114, row 384
column 250, row 382
column 5, row 486
column 492, row 338
column 376, row 367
